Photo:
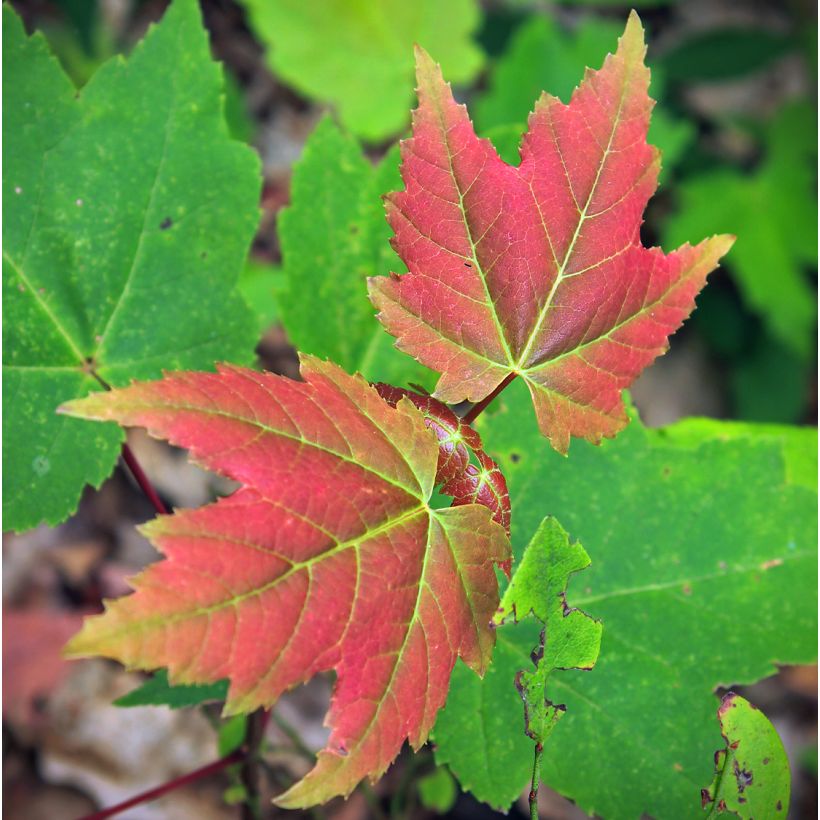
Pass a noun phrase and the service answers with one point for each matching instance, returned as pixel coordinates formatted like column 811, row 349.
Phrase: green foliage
column 129, row 214
column 260, row 284
column 333, row 236
column 752, row 778
column 438, row 791
column 693, row 533
column 773, row 212
column 231, row 734
column 570, row 639
column 541, row 55
column 724, row 53
column 359, row 56
column 157, row 691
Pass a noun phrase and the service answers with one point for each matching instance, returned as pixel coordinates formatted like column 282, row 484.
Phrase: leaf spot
column 166, row 223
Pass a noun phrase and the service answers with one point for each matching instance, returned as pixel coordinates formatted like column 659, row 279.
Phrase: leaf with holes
column 538, row 270
column 129, row 212
column 752, row 778
column 330, row 550
column 704, row 535
column 570, row 639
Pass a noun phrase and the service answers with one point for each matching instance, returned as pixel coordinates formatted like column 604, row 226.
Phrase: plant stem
column 159, row 791
column 293, row 736
column 536, row 780
column 477, row 409
column 249, row 773
column 139, row 476
column 372, row 800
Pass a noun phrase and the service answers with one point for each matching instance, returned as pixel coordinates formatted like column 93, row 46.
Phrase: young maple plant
column 332, row 555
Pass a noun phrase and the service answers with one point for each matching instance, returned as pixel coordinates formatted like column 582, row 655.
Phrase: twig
column 477, row 409
column 159, row 791
column 249, row 773
column 536, row 780
column 139, row 476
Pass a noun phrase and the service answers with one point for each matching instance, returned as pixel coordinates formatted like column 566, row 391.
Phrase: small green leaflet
column 570, row 639
column 359, row 56
column 752, row 778
column 129, row 213
column 542, row 55
column 693, row 531
column 334, row 235
column 774, row 214
column 157, row 691
column 438, row 791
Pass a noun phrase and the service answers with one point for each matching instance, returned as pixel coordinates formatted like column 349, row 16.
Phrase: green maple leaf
column 333, row 236
column 129, row 213
column 704, row 543
column 774, row 213
column 359, row 56
column 752, row 778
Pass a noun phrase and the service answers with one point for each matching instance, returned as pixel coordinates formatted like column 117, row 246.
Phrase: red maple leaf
column 465, row 482
column 538, row 270
column 327, row 558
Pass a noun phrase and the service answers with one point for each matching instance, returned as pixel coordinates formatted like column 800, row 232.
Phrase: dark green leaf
column 725, row 53
column 774, row 215
column 158, row 692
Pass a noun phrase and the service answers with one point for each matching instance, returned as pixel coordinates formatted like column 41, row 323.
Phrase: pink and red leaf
column 327, row 558
column 538, row 270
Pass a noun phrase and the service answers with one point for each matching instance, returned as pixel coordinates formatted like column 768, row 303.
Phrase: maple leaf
column 538, row 271
column 465, row 482
column 328, row 558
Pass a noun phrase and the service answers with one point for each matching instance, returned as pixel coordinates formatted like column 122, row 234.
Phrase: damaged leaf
column 570, row 639
column 752, row 779
column 538, row 270
column 694, row 531
column 329, row 550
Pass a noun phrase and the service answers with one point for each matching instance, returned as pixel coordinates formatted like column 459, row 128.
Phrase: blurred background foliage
column 736, row 120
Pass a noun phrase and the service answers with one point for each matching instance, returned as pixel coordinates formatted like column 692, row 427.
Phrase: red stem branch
column 477, row 409
column 139, row 476
column 159, row 791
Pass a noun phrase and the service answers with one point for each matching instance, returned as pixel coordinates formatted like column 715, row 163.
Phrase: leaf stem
column 477, row 409
column 159, row 791
column 536, row 780
column 139, row 476
column 249, row 773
